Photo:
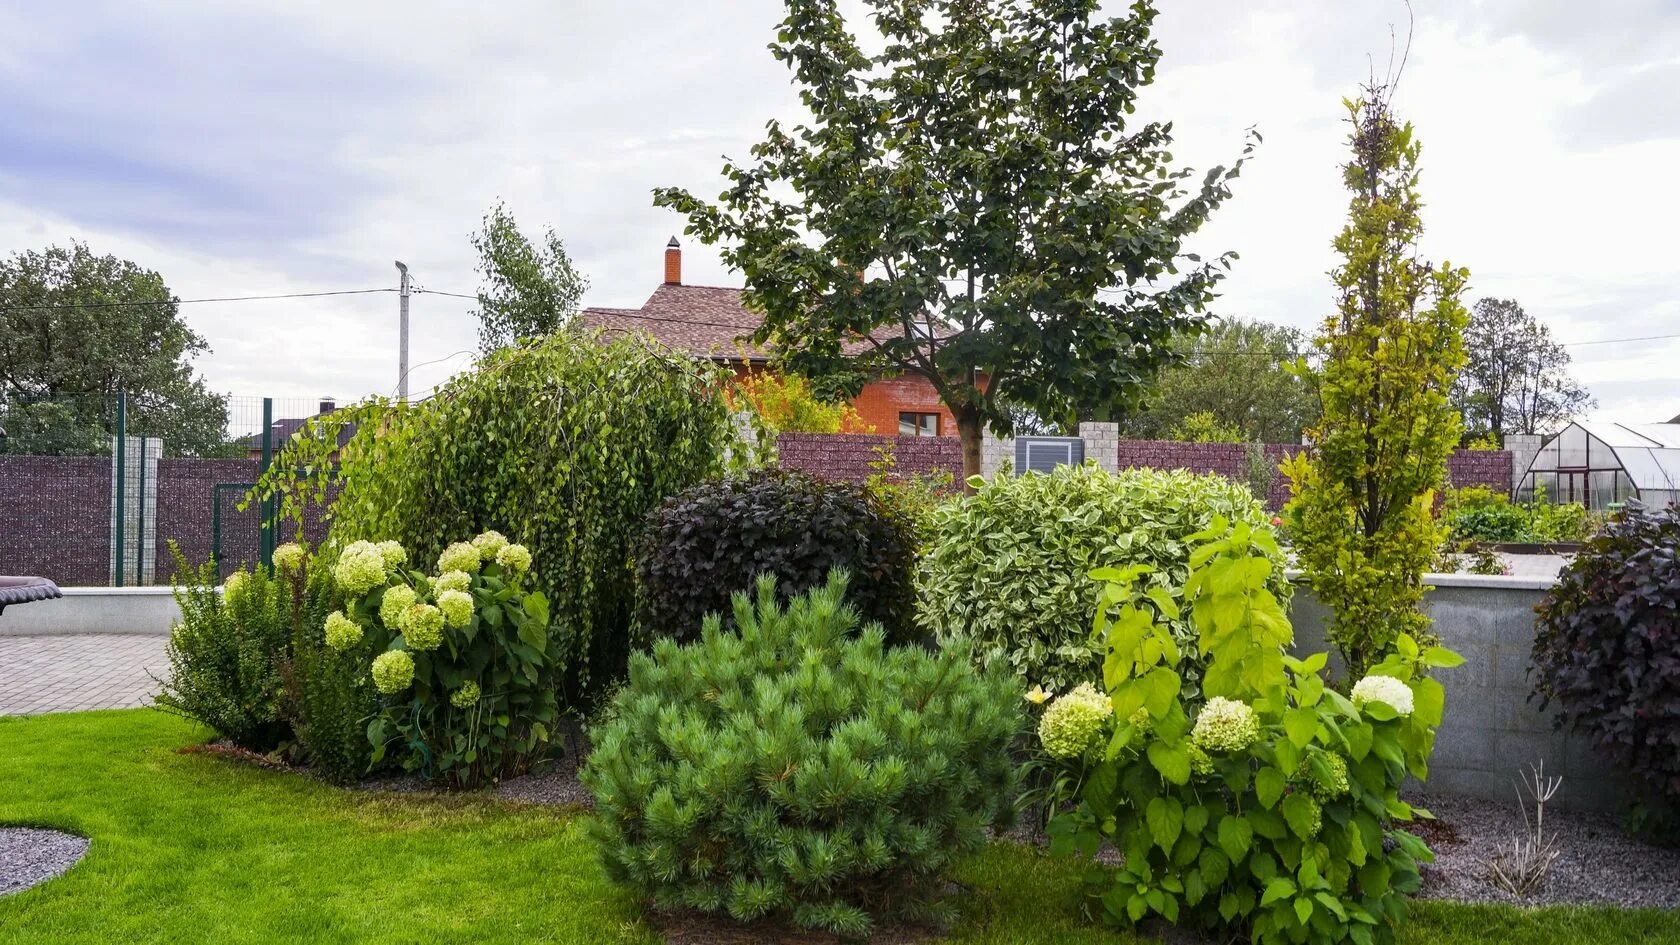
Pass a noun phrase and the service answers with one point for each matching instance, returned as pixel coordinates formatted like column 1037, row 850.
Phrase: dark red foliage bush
column 714, row 540
column 1607, row 646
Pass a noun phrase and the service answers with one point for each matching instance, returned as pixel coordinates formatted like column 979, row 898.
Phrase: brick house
column 712, row 322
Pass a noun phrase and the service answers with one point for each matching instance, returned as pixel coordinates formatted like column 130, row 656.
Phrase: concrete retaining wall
column 148, row 610
column 1491, row 733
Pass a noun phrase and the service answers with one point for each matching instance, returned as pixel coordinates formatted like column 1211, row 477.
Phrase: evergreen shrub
column 1007, row 565
column 226, row 652
column 793, row 768
column 715, row 539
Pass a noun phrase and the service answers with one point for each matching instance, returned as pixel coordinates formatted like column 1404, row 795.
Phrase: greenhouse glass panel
column 1602, row 484
column 1624, row 487
column 1600, row 456
column 1572, row 448
column 1546, row 483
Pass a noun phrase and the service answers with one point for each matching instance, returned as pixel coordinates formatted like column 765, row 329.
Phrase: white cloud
column 304, row 148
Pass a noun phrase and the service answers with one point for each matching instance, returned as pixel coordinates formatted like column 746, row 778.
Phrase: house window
column 918, row 424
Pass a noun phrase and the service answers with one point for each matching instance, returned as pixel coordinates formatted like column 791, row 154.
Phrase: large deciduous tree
column 1363, row 493
column 1516, row 378
column 1241, row 374
column 78, row 328
column 973, row 204
column 528, row 290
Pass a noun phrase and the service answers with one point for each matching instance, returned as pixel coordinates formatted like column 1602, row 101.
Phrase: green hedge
column 1009, row 565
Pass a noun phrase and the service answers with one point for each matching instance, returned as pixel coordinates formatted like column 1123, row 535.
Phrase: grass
column 190, row 848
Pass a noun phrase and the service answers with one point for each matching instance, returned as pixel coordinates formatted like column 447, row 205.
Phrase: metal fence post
column 122, row 470
column 265, row 537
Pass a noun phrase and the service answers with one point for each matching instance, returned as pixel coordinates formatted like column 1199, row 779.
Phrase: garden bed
column 198, row 847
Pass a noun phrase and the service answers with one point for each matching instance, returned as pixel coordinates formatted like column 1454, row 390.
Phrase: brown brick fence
column 854, row 457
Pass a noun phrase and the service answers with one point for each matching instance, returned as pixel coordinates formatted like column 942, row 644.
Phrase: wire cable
column 231, row 298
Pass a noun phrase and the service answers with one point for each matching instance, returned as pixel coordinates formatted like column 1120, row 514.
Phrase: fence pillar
column 1102, row 443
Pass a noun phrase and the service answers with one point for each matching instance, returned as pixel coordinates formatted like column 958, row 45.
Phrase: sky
column 257, row 149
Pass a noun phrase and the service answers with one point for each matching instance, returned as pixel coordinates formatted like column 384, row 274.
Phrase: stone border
column 150, row 611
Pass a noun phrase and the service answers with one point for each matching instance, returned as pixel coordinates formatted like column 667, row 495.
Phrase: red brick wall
column 854, row 456
column 848, row 456
column 881, row 400
column 1464, row 467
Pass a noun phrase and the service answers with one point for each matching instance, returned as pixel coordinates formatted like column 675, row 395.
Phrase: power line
column 232, row 298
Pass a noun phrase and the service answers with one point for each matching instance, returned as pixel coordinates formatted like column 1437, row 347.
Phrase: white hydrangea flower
column 1225, row 725
column 1385, row 689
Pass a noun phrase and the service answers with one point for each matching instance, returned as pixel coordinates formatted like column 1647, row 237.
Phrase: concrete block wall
column 1491, row 733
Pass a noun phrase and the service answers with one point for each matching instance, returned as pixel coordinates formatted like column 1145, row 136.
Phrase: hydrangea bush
column 794, row 768
column 462, row 660
column 1270, row 811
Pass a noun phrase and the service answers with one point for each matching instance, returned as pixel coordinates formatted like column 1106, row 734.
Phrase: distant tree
column 75, row 330
column 528, row 290
column 1515, row 378
column 973, row 204
column 1361, row 512
column 1242, row 374
column 1204, row 427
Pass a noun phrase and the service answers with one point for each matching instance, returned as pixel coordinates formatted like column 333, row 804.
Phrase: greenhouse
column 1601, row 465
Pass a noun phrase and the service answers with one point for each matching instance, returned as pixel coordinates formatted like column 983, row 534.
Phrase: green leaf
column 1298, row 810
column 1279, row 888
column 1235, row 836
column 1165, row 816
column 1173, row 763
column 1268, row 786
column 1301, row 725
column 1439, row 657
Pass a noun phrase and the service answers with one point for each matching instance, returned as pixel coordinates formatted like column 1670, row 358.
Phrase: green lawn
column 190, row 848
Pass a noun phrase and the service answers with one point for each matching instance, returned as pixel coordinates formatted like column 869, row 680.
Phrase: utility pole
column 402, row 343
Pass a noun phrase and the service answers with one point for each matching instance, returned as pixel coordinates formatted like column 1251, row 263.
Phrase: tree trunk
column 969, row 431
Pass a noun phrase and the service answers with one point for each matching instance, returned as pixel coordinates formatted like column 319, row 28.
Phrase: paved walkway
column 75, row 673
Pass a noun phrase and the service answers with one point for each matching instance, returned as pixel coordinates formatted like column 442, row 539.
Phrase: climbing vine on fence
column 563, row 444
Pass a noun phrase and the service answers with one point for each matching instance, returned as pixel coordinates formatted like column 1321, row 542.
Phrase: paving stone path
column 76, row 673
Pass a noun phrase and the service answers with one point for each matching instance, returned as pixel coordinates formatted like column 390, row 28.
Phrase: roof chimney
column 328, row 405
column 673, row 262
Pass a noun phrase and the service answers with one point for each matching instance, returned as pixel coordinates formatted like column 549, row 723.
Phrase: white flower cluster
column 1385, row 689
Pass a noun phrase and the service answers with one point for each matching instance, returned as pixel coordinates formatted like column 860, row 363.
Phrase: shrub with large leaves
column 714, row 540
column 564, row 444
column 462, row 659
column 1607, row 646
column 1267, row 812
column 794, row 768
column 1007, row 566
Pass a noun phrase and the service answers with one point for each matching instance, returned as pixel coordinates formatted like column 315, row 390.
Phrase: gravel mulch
column 1600, row 864
column 555, row 783
column 30, row 856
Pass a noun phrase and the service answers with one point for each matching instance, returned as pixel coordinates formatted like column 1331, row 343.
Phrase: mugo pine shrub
column 1269, row 810
column 461, row 659
column 715, row 539
column 794, row 768
column 1607, row 650
column 1007, row 566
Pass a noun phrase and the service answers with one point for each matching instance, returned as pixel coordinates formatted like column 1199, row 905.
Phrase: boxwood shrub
column 1009, row 565
column 716, row 538
column 794, row 768
column 1607, row 646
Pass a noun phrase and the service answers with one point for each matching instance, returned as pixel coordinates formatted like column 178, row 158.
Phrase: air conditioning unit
column 1044, row 453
